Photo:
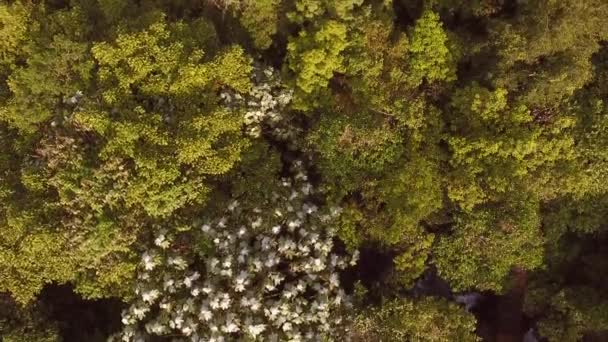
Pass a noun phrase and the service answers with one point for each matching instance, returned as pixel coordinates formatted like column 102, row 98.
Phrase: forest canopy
column 303, row 170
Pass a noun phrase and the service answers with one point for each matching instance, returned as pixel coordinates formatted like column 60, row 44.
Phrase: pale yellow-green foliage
column 182, row 79
column 31, row 255
column 51, row 75
column 431, row 58
column 261, row 18
column 487, row 244
column 316, row 56
column 14, row 22
column 428, row 319
column 546, row 50
column 495, row 148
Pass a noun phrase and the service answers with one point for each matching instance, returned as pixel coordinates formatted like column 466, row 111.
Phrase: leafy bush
column 429, row 319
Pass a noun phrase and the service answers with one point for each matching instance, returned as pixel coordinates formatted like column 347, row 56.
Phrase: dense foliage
column 218, row 166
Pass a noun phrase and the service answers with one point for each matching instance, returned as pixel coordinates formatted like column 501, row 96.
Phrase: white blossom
column 150, row 296
column 205, row 314
column 140, row 312
column 257, row 223
column 334, row 281
column 188, row 281
column 178, row 262
column 231, row 327
column 156, row 328
column 233, row 205
column 255, row 330
column 162, row 242
column 149, row 261
column 276, row 229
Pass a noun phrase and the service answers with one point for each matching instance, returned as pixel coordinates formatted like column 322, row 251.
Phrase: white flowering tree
column 267, row 273
column 257, row 276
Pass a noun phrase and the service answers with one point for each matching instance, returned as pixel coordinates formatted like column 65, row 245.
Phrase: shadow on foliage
column 79, row 319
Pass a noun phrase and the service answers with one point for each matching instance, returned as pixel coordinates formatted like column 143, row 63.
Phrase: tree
column 545, row 49
column 15, row 22
column 426, row 319
column 315, row 56
column 261, row 19
column 274, row 278
column 568, row 299
column 431, row 58
column 50, row 79
column 54, row 65
column 497, row 147
column 487, row 244
column 158, row 99
column 114, row 158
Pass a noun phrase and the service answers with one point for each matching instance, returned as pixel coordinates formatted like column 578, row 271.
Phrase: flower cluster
column 75, row 98
column 266, row 105
column 260, row 276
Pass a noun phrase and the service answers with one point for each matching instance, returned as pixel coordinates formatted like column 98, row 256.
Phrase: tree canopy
column 303, row 169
